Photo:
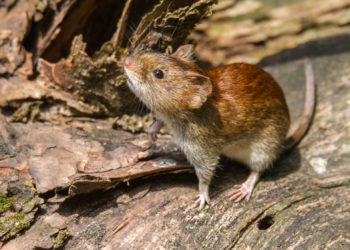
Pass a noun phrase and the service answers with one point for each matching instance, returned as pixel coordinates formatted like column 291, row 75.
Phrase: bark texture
column 67, row 55
column 84, row 183
column 250, row 30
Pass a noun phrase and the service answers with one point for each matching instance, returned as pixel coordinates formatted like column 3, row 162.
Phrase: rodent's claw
column 201, row 200
column 149, row 146
column 237, row 196
column 245, row 190
column 240, row 192
column 144, row 145
column 154, row 129
column 152, row 136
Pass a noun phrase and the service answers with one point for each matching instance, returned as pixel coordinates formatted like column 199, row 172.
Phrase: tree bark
column 101, row 188
column 68, row 54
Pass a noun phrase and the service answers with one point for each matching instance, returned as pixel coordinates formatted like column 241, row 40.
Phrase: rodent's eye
column 158, row 73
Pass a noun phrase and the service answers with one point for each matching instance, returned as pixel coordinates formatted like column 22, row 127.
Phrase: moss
column 61, row 238
column 122, row 50
column 35, row 114
column 13, row 224
column 5, row 203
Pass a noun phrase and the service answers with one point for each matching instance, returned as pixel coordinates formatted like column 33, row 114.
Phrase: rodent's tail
column 309, row 109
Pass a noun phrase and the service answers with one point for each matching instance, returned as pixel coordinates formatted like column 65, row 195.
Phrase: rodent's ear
column 200, row 88
column 184, row 52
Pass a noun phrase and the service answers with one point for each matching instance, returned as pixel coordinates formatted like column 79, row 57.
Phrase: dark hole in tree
column 96, row 20
column 137, row 11
column 265, row 222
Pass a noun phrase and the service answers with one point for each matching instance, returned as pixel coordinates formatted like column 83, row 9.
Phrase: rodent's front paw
column 154, row 129
column 149, row 146
column 152, row 136
column 201, row 200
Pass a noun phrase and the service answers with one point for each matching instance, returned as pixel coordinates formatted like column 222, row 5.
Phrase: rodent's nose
column 127, row 62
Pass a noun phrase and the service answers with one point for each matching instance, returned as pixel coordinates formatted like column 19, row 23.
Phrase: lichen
column 134, row 124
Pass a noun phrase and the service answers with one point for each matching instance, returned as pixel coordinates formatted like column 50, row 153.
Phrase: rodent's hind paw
column 201, row 200
column 241, row 192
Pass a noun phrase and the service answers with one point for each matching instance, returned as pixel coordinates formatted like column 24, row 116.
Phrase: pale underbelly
column 258, row 156
column 239, row 151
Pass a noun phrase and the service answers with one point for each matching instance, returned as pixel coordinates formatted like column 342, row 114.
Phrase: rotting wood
column 302, row 202
column 249, row 31
column 77, row 49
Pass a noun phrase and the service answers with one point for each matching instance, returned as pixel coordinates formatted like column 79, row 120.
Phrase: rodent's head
column 168, row 83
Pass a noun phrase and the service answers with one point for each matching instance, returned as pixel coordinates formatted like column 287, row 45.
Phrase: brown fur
column 248, row 99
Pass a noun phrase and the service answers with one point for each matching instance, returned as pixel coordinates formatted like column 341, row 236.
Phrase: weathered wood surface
column 302, row 202
column 67, row 55
column 250, row 30
column 80, row 184
column 60, row 59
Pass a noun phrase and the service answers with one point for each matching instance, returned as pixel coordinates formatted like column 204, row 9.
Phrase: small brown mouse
column 237, row 110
